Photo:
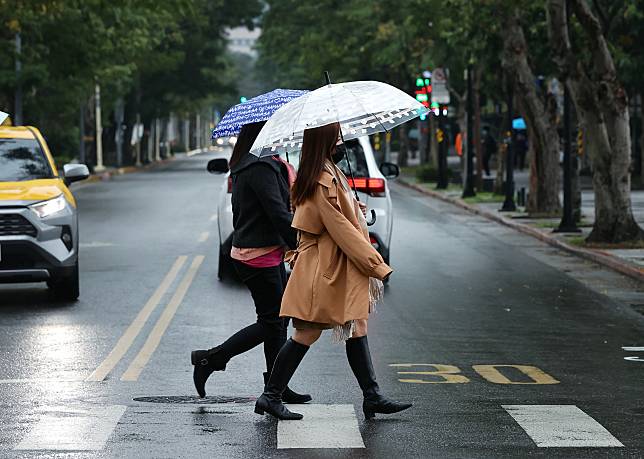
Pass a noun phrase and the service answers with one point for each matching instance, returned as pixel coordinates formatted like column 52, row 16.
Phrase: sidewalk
column 109, row 172
column 624, row 260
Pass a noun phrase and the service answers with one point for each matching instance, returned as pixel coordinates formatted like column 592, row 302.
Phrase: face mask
column 340, row 152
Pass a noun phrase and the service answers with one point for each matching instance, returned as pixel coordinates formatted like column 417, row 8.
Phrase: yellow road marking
column 203, row 237
column 490, row 373
column 142, row 358
column 449, row 374
column 135, row 327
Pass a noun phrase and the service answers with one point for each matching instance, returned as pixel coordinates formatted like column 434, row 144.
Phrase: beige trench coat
column 334, row 259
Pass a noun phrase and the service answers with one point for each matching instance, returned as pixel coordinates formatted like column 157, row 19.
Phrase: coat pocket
column 333, row 263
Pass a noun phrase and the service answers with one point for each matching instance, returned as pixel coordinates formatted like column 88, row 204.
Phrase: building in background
column 242, row 40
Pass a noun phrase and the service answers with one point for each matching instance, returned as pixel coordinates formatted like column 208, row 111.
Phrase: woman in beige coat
column 337, row 276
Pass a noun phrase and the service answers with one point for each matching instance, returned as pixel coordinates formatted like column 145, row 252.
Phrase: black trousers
column 266, row 286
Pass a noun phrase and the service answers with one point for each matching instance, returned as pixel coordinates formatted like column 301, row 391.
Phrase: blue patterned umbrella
column 257, row 109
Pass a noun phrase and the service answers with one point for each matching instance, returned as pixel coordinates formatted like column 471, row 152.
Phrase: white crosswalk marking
column 78, row 430
column 323, row 426
column 558, row 426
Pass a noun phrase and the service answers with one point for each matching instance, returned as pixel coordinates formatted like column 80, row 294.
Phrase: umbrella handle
column 373, row 218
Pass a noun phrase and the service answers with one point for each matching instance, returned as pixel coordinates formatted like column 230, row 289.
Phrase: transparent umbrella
column 361, row 107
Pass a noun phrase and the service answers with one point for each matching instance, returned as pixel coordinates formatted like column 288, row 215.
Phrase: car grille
column 16, row 225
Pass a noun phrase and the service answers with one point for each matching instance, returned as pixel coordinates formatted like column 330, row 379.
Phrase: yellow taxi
column 38, row 215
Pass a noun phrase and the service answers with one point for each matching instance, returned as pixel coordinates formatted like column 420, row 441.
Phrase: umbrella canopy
column 257, row 109
column 361, row 108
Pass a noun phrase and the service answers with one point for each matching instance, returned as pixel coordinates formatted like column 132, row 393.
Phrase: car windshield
column 355, row 154
column 22, row 159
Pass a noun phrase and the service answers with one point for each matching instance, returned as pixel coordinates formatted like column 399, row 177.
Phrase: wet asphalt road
column 466, row 295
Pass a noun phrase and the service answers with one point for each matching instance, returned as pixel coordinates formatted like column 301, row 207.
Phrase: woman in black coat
column 262, row 232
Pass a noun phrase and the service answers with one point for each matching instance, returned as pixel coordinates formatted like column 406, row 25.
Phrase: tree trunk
column 403, row 151
column 541, row 114
column 602, row 107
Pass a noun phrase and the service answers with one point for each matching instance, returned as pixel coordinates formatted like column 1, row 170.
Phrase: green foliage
column 172, row 50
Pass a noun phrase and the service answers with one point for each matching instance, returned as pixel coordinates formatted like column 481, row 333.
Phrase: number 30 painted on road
column 449, row 374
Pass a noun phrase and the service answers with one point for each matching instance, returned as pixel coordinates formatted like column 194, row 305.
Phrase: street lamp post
column 508, row 204
column 99, row 130
column 443, row 181
column 468, row 190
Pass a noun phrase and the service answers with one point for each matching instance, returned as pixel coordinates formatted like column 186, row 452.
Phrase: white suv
column 370, row 182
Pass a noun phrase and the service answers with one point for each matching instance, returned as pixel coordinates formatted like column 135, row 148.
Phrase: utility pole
column 139, row 139
column 99, row 130
column 118, row 137
column 508, row 204
column 468, row 189
column 157, row 139
column 443, row 181
column 17, row 116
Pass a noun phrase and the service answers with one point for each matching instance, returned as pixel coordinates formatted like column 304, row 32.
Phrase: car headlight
column 47, row 208
column 220, row 141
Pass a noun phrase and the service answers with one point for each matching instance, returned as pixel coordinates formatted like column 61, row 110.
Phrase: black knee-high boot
column 360, row 361
column 285, row 365
column 208, row 360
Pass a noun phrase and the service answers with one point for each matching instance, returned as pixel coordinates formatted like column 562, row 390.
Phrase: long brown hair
column 245, row 139
column 318, row 146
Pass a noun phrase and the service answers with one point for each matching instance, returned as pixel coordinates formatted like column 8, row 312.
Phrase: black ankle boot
column 360, row 361
column 285, row 365
column 205, row 362
column 290, row 396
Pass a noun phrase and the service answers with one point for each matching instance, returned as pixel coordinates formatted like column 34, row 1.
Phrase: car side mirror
column 218, row 166
column 74, row 173
column 390, row 170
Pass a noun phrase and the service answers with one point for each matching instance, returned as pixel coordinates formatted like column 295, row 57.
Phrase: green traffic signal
column 420, row 82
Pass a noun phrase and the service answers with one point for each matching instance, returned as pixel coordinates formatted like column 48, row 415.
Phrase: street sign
column 440, row 93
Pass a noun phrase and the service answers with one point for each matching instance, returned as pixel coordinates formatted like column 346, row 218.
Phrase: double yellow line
column 154, row 338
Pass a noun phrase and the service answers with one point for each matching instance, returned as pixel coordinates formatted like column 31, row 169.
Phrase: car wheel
column 67, row 287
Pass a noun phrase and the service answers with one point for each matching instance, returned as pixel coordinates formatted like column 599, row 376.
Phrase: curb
column 108, row 174
column 597, row 257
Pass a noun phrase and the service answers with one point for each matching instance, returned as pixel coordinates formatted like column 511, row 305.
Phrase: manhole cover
column 193, row 400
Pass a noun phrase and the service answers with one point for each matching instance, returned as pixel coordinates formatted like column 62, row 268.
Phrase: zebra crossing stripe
column 323, row 426
column 73, row 430
column 560, row 426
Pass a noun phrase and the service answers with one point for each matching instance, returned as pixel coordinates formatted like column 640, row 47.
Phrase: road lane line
column 124, row 343
column 561, row 426
column 323, row 426
column 142, row 358
column 69, row 430
column 203, row 237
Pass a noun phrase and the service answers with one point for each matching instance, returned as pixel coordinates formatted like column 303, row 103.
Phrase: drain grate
column 193, row 400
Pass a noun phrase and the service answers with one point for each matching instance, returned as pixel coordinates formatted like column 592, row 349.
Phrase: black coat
column 261, row 204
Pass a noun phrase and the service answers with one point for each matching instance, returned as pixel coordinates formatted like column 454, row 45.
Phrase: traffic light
column 420, row 82
column 242, row 99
